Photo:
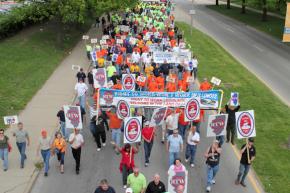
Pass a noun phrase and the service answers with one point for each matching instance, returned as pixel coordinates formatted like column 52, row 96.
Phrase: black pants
column 231, row 133
column 100, row 136
column 125, row 173
column 77, row 156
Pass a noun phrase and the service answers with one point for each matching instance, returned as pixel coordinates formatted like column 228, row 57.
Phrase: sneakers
column 104, row 144
column 237, row 182
column 162, row 141
column 77, row 172
column 243, row 184
column 208, row 189
column 186, row 160
column 113, row 142
column 125, row 186
column 146, row 164
column 192, row 165
column 98, row 149
column 213, row 181
column 45, row 174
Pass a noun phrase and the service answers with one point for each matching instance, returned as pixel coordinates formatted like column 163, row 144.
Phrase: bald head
column 156, row 179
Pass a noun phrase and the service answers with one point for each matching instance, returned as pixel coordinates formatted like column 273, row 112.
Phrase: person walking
column 212, row 156
column 148, row 136
column 115, row 125
column 174, row 146
column 246, row 161
column 44, row 148
column 22, row 139
column 156, row 186
column 5, row 147
column 59, row 148
column 77, row 141
column 100, row 132
column 104, row 187
column 127, row 162
column 137, row 181
column 61, row 119
column 81, row 75
column 193, row 139
column 231, row 128
column 81, row 89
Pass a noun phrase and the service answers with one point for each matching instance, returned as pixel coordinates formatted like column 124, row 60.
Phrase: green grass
column 274, row 26
column 26, row 62
column 273, row 128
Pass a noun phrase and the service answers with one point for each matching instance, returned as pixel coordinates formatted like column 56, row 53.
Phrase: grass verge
column 271, row 114
column 28, row 59
column 274, row 26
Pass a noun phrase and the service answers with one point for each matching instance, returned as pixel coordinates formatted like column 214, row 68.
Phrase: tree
column 228, row 4
column 264, row 15
column 217, row 2
column 244, row 6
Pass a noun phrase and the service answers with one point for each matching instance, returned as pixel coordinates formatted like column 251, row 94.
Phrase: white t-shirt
column 136, row 57
column 194, row 63
column 172, row 121
column 191, row 138
column 77, row 142
column 44, row 143
column 81, row 88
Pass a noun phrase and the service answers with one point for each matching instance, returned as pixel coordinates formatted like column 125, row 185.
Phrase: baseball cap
column 251, row 140
column 129, row 190
column 147, row 123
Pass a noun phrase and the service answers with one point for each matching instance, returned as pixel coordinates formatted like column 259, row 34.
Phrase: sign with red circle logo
column 128, row 81
column 123, row 109
column 100, row 78
column 158, row 116
column 132, row 129
column 245, row 124
column 176, row 178
column 108, row 97
column 192, row 110
column 73, row 118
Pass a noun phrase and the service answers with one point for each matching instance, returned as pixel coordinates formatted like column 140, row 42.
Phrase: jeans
column 243, row 171
column 116, row 136
column 147, row 150
column 82, row 101
column 211, row 173
column 194, row 73
column 182, row 130
column 221, row 139
column 190, row 152
column 63, row 129
column 77, row 156
column 125, row 173
column 179, row 75
column 21, row 147
column 60, row 156
column 4, row 157
column 172, row 157
column 93, row 128
column 46, row 156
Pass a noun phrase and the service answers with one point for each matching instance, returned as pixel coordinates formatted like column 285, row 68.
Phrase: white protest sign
column 141, row 78
column 192, row 109
column 216, row 125
column 190, row 79
column 75, row 67
column 105, row 37
column 170, row 79
column 123, row 109
column 234, row 101
column 161, row 57
column 86, row 37
column 132, row 129
column 158, row 116
column 245, row 124
column 132, row 40
column 119, row 41
column 11, row 120
column 215, row 81
column 177, row 177
column 94, row 41
column 100, row 77
column 102, row 42
column 105, row 46
column 73, row 117
column 128, row 81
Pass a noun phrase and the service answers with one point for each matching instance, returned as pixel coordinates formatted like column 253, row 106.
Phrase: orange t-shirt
column 173, row 43
column 150, row 78
column 115, row 122
column 59, row 144
column 171, row 34
column 153, row 87
column 182, row 85
column 171, row 87
column 117, row 86
column 201, row 116
column 119, row 59
column 205, row 86
column 160, row 83
column 181, row 117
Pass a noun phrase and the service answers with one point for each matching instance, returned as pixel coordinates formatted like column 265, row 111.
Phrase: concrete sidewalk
column 40, row 113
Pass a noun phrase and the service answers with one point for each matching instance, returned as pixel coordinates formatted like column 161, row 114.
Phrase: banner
column 192, row 109
column 286, row 35
column 208, row 99
column 176, row 178
column 132, row 129
column 216, row 125
column 73, row 117
column 158, row 116
column 234, row 101
column 100, row 77
column 245, row 124
column 123, row 109
column 11, row 120
column 128, row 81
column 161, row 57
column 155, row 47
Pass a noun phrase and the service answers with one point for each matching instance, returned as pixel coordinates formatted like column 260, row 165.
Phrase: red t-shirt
column 125, row 160
column 147, row 133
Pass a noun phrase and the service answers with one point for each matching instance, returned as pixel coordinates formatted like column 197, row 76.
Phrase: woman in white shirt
column 77, row 141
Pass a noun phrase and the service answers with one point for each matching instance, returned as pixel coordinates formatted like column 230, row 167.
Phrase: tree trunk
column 264, row 15
column 228, row 4
column 243, row 6
column 217, row 2
column 278, row 5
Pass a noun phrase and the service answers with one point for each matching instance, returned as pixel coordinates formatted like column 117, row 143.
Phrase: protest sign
column 216, row 125
column 86, row 37
column 100, row 77
column 208, row 99
column 161, row 57
column 191, row 110
column 234, row 101
column 11, row 120
column 245, row 124
column 170, row 79
column 141, row 78
column 177, row 177
column 105, row 37
column 103, row 42
column 132, row 129
column 158, row 116
column 73, row 117
column 124, row 28
column 110, row 84
column 105, row 46
column 75, row 67
column 215, row 81
column 155, row 48
column 190, row 79
column 94, row 41
column 128, row 81
column 94, row 56
column 286, row 34
column 123, row 109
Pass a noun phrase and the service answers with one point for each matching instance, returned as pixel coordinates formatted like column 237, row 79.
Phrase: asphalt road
column 265, row 56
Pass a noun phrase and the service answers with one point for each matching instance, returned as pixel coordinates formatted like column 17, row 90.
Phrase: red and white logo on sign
column 108, row 97
column 74, row 116
column 129, row 82
column 100, row 77
column 178, row 179
column 123, row 109
column 245, row 124
column 192, row 109
column 218, row 124
column 132, row 130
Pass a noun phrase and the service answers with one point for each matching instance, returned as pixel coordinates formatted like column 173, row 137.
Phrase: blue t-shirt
column 174, row 143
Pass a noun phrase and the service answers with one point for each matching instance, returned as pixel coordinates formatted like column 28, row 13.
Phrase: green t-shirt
column 111, row 70
column 89, row 48
column 136, row 183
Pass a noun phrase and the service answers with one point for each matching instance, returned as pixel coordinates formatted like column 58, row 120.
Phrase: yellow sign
column 286, row 36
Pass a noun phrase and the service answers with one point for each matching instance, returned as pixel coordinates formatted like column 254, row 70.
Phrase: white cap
column 129, row 190
column 147, row 123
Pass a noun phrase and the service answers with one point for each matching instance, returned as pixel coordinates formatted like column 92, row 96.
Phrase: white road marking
column 258, row 48
column 229, row 29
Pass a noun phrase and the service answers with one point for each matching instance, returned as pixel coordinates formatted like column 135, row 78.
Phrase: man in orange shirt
column 172, row 85
column 205, row 85
column 182, row 124
column 153, row 87
column 117, row 86
column 182, row 85
column 160, row 82
column 115, row 125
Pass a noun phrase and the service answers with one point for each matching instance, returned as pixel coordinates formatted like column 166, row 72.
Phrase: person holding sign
column 148, row 136
column 231, row 128
column 212, row 156
column 115, row 125
column 247, row 158
column 5, row 147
